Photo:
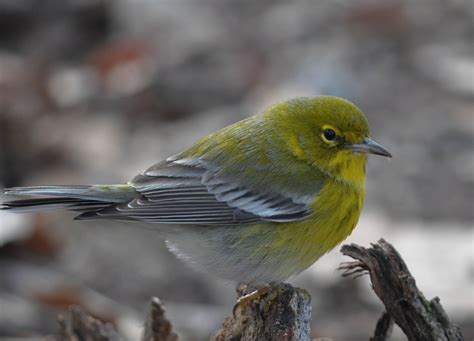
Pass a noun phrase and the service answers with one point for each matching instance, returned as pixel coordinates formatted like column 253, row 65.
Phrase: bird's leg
column 250, row 293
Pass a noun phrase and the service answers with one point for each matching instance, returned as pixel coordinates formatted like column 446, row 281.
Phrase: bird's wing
column 189, row 191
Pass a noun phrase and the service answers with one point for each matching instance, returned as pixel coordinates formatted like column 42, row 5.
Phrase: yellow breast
column 337, row 209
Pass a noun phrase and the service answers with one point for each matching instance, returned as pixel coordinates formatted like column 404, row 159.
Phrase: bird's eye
column 329, row 134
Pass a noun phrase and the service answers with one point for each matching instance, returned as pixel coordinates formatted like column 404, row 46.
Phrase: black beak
column 369, row 146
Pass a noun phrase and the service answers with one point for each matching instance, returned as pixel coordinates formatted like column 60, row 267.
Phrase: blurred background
column 96, row 91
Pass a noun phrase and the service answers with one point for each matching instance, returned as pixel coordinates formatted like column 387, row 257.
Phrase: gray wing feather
column 188, row 191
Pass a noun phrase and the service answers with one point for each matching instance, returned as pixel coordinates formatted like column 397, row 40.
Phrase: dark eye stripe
column 329, row 134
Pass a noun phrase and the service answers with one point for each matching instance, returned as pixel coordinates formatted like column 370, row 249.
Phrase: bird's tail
column 84, row 198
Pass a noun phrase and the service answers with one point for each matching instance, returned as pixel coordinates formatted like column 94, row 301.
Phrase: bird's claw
column 246, row 299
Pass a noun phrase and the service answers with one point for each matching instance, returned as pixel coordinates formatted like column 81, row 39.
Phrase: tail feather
column 109, row 193
column 86, row 198
column 35, row 205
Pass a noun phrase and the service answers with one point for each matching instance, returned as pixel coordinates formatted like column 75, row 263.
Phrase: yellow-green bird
column 257, row 202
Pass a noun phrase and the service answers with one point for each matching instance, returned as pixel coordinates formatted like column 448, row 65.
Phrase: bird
column 258, row 201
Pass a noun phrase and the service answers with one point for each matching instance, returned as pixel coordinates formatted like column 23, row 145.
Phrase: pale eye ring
column 329, row 134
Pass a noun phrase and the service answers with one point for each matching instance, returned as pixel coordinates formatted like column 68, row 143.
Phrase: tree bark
column 282, row 312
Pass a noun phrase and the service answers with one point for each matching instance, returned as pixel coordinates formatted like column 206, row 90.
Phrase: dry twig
column 419, row 318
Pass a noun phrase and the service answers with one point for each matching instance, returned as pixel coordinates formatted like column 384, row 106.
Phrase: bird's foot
column 250, row 294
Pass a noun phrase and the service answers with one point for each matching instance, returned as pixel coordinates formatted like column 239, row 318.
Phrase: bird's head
column 330, row 133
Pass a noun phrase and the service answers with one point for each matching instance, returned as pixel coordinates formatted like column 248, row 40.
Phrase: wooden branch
column 282, row 312
column 419, row 318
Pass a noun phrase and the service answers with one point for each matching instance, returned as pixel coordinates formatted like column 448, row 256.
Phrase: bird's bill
column 369, row 146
